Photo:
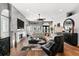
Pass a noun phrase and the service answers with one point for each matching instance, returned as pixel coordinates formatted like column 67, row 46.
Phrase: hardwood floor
column 36, row 52
column 32, row 52
column 70, row 50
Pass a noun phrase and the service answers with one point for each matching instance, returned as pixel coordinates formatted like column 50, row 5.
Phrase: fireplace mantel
column 20, row 33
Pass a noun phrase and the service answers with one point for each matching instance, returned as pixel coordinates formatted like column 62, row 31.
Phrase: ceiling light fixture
column 60, row 10
column 27, row 10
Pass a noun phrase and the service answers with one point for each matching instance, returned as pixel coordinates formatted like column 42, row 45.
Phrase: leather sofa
column 57, row 47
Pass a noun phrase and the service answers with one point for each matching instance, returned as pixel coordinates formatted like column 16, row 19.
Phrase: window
column 4, row 23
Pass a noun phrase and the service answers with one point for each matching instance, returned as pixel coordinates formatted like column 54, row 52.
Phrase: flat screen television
column 20, row 24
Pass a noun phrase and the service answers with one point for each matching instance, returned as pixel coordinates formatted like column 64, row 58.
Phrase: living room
column 37, row 30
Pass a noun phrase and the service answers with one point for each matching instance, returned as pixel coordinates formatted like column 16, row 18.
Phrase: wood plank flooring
column 34, row 52
column 70, row 50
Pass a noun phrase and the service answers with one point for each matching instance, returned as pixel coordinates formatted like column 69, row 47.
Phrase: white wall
column 14, row 15
column 13, row 25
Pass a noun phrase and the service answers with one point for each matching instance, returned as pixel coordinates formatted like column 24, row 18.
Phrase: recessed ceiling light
column 60, row 10
column 27, row 10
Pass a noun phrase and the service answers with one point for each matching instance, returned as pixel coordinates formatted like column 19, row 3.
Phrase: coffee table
column 36, row 52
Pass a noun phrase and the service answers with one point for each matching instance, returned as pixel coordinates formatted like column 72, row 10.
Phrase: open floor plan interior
column 39, row 29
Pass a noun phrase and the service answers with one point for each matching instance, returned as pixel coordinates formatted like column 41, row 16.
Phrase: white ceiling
column 50, row 11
